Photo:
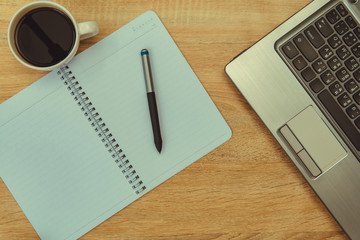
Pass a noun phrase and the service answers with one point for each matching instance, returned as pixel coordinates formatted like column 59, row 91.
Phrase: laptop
column 303, row 80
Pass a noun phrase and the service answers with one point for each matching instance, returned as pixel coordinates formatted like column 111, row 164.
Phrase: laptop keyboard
column 326, row 57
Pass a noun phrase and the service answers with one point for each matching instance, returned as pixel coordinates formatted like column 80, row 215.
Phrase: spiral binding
column 99, row 126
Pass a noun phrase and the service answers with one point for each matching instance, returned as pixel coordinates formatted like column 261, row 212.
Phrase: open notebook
column 77, row 145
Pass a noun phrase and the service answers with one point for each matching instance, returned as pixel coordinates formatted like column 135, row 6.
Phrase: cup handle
column 88, row 29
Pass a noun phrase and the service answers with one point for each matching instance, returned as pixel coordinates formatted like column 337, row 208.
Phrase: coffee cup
column 43, row 35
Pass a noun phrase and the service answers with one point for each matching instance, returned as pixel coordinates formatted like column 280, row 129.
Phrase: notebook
column 77, row 145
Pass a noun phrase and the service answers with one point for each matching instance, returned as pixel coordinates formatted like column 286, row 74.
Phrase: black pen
column 151, row 99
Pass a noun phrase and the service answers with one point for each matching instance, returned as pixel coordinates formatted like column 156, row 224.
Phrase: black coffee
column 44, row 36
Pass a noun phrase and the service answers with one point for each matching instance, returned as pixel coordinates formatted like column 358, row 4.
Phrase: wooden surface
column 248, row 187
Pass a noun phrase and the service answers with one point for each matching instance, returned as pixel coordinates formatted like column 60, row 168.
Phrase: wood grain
column 247, row 188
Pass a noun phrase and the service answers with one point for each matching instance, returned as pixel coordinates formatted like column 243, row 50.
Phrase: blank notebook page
column 58, row 171
column 53, row 161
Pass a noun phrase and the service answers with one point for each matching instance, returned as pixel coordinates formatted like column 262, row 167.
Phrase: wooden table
column 248, row 187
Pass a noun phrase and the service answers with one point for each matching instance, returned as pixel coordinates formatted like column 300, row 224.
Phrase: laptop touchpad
column 313, row 141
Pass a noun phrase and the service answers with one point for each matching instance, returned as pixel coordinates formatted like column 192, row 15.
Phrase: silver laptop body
column 293, row 89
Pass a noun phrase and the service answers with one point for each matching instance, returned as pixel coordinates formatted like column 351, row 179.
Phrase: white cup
column 82, row 31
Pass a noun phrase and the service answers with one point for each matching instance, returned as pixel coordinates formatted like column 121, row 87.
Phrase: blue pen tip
column 144, row 52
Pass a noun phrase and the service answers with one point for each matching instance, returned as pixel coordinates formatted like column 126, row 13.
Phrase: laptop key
column 343, row 75
column 327, row 77
column 324, row 27
column 350, row 21
column 316, row 85
column 351, row 86
column 300, row 63
column 350, row 39
column 343, row 53
column 290, row 50
column 319, row 66
column 333, row 16
column 314, row 37
column 356, row 50
column 351, row 64
column 308, row 74
column 353, row 111
column 340, row 117
column 334, row 63
column 341, row 9
column 326, row 52
column 305, row 48
column 336, row 89
column 344, row 100
column 334, row 41
column 341, row 27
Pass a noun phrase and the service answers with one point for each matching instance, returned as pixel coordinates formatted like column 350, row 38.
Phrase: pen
column 151, row 99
